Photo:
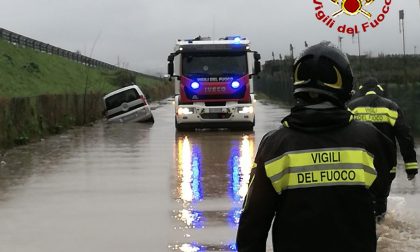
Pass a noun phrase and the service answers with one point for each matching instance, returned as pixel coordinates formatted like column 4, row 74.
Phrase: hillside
column 26, row 72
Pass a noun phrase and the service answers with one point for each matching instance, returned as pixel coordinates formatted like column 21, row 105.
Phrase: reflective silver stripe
column 310, row 168
column 324, row 184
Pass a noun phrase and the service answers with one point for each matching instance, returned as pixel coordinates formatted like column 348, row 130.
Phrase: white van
column 127, row 104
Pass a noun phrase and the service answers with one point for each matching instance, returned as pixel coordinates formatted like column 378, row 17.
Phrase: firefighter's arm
column 406, row 143
column 385, row 159
column 257, row 213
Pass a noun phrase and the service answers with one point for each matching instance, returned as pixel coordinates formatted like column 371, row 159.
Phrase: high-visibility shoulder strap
column 321, row 167
column 375, row 114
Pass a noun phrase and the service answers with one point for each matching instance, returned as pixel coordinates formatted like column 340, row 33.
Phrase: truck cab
column 213, row 82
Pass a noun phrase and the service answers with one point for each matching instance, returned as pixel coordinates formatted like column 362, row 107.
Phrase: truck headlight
column 246, row 110
column 185, row 111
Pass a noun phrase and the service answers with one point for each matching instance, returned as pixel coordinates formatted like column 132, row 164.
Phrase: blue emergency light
column 235, row 84
column 195, row 85
column 237, row 40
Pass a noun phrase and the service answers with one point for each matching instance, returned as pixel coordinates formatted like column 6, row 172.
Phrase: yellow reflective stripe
column 321, row 167
column 286, row 124
column 393, row 170
column 318, row 156
column 319, row 178
column 375, row 115
column 369, row 179
column 411, row 166
column 370, row 92
column 254, row 165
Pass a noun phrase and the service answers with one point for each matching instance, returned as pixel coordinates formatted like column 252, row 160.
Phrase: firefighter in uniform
column 371, row 106
column 312, row 174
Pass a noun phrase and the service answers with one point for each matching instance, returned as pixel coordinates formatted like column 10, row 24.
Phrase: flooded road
column 140, row 187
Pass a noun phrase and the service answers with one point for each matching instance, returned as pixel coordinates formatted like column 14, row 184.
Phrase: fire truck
column 214, row 83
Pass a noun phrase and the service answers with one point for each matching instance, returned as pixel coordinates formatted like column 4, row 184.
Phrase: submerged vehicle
column 214, row 83
column 127, row 104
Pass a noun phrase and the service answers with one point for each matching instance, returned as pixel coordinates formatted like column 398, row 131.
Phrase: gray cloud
column 140, row 34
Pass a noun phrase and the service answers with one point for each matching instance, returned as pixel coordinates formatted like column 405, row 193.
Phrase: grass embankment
column 43, row 94
column 25, row 73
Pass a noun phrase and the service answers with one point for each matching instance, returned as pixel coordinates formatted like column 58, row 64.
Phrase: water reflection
column 190, row 191
column 240, row 162
column 212, row 180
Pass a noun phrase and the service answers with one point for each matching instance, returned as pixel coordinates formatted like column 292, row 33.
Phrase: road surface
column 143, row 187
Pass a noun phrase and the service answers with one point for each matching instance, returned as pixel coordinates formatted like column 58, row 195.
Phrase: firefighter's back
column 324, row 203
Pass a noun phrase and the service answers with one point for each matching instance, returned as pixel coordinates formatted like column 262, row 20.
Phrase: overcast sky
column 140, row 34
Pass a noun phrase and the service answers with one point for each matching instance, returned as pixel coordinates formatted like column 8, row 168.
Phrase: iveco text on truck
column 214, row 83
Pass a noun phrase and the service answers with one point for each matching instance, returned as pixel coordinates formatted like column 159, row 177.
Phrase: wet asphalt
column 145, row 187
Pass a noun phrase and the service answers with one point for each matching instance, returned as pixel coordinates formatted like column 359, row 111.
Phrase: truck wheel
column 181, row 128
column 244, row 127
column 248, row 128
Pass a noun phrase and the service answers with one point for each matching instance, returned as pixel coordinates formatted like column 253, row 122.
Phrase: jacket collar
column 317, row 117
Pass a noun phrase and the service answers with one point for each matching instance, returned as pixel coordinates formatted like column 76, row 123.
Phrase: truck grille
column 215, row 104
column 216, row 115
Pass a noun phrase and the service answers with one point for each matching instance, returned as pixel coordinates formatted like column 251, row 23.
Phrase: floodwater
column 144, row 187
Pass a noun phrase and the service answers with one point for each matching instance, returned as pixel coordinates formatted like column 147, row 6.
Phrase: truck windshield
column 205, row 64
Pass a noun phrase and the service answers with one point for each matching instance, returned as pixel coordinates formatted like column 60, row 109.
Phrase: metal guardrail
column 17, row 39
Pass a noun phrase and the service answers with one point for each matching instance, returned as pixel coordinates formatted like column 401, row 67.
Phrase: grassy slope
column 25, row 72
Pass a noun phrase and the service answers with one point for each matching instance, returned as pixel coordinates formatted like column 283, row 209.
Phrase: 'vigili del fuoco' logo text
column 362, row 15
